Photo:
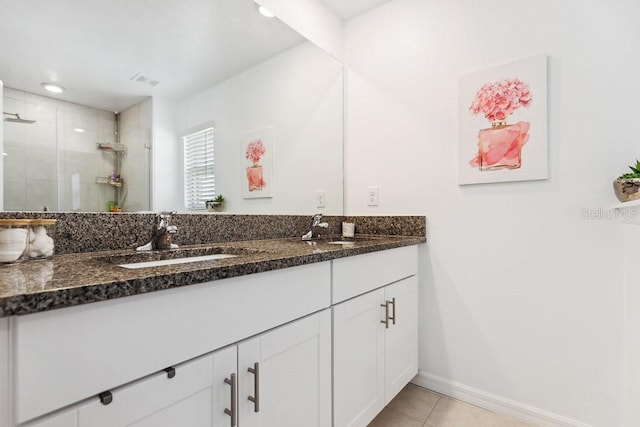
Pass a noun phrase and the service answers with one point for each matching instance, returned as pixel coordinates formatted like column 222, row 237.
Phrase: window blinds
column 199, row 178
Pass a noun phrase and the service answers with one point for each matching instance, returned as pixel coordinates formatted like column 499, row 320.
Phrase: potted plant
column 216, row 205
column 627, row 186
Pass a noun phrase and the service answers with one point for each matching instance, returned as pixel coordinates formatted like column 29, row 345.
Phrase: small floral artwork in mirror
column 503, row 123
column 257, row 171
column 255, row 176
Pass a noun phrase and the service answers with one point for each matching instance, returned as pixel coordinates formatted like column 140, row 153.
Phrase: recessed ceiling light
column 79, row 130
column 54, row 88
column 5, row 154
column 265, row 12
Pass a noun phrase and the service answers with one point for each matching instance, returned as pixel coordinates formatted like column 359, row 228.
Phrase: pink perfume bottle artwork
column 255, row 150
column 500, row 146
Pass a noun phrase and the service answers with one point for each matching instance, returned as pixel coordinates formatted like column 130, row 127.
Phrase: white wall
column 299, row 94
column 522, row 296
column 1, row 149
column 313, row 20
column 167, row 188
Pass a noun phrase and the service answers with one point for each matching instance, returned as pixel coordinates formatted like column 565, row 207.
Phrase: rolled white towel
column 38, row 231
column 41, row 246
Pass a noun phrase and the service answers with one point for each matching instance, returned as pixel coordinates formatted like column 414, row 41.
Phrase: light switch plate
column 321, row 199
column 372, row 196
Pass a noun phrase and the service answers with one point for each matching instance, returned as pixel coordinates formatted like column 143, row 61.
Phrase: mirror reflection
column 169, row 71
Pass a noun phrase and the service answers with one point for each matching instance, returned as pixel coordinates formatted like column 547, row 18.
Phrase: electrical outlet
column 321, row 199
column 372, row 196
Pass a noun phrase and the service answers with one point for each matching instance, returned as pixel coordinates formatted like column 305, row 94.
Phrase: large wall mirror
column 140, row 75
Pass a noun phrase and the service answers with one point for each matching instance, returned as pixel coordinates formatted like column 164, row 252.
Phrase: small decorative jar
column 348, row 229
column 41, row 244
column 14, row 238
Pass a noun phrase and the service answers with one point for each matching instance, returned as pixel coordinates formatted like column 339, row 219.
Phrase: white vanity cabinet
column 375, row 347
column 289, row 385
column 300, row 346
column 66, row 356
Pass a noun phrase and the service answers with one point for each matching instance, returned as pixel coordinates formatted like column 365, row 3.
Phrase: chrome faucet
column 161, row 233
column 315, row 222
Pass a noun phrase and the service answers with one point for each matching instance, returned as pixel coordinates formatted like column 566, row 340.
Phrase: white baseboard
column 492, row 402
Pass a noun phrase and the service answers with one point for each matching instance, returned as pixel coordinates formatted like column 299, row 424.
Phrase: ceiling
column 94, row 48
column 347, row 9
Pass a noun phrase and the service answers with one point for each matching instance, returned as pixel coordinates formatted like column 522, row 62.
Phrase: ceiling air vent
column 144, row 80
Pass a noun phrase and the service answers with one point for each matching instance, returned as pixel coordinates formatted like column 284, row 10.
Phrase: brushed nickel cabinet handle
column 256, row 386
column 393, row 303
column 386, row 314
column 233, row 412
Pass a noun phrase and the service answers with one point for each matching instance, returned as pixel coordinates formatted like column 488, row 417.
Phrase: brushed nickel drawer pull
column 393, row 303
column 256, row 386
column 386, row 314
column 233, row 412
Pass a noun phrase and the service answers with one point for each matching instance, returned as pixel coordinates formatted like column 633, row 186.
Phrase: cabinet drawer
column 153, row 400
column 357, row 275
column 156, row 400
column 64, row 356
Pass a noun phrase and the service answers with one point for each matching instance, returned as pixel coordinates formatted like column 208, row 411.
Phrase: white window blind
column 199, row 178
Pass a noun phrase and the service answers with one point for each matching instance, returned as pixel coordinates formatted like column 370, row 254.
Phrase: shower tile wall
column 43, row 157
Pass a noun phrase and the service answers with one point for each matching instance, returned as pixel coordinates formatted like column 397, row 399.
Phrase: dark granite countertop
column 73, row 279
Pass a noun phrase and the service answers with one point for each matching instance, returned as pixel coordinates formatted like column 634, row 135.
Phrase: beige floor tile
column 392, row 418
column 454, row 413
column 415, row 402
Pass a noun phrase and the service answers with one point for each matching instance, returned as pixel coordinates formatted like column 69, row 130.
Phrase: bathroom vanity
column 245, row 340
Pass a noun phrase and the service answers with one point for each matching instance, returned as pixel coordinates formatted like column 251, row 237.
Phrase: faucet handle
column 315, row 220
column 163, row 218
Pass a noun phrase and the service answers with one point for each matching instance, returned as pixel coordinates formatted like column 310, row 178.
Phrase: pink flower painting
column 502, row 122
column 500, row 146
column 255, row 180
column 499, row 100
column 255, row 150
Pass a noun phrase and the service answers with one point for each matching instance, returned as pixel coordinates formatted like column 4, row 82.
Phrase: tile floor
column 418, row 407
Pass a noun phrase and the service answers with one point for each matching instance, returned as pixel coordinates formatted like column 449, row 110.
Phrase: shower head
column 17, row 119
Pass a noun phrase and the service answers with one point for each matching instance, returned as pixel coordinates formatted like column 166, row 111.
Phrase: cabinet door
column 358, row 360
column 401, row 339
column 187, row 399
column 289, row 384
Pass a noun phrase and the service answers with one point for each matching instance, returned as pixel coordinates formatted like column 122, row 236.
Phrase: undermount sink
column 173, row 257
column 146, row 264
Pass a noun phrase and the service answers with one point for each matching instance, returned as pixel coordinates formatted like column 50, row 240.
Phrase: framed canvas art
column 257, row 158
column 502, row 114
